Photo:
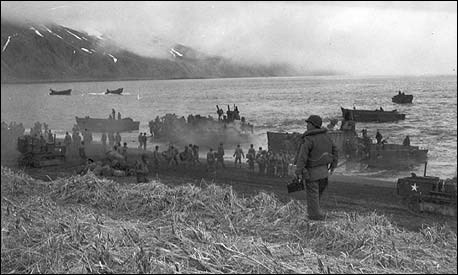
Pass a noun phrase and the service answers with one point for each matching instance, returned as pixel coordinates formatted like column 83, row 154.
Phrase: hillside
column 56, row 53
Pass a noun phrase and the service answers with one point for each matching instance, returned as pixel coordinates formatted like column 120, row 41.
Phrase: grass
column 85, row 224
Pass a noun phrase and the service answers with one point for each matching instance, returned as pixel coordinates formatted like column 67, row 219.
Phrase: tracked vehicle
column 38, row 154
column 428, row 194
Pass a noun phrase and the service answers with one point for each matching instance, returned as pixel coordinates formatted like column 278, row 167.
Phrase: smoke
column 347, row 37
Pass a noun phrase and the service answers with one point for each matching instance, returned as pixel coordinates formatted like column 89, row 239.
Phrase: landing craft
column 63, row 92
column 350, row 146
column 203, row 131
column 101, row 125
column 402, row 98
column 378, row 115
column 116, row 92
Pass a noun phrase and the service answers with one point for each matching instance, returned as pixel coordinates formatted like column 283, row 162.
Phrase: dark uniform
column 141, row 170
column 251, row 157
column 220, row 156
column 317, row 155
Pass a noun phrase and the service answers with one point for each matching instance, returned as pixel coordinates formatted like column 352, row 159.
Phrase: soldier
column 42, row 144
column 332, row 124
column 82, row 151
column 90, row 166
column 76, row 141
column 50, row 136
column 67, row 141
column 261, row 160
column 348, row 124
column 220, row 155
column 185, row 156
column 173, row 155
column 119, row 115
column 124, row 151
column 111, row 139
column 140, row 141
column 113, row 113
column 104, row 140
column 366, row 144
column 156, row 158
column 191, row 158
column 144, row 141
column 406, row 141
column 89, row 135
column 270, row 163
column 141, row 169
column 238, row 154
column 211, row 167
column 251, row 155
column 118, row 139
column 378, row 137
column 220, row 112
column 317, row 157
column 195, row 150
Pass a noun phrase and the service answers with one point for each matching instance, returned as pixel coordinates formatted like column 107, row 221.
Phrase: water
column 271, row 104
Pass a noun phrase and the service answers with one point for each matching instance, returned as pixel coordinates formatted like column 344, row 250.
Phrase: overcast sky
column 361, row 38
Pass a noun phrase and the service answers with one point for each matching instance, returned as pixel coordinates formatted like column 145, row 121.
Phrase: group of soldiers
column 269, row 163
column 230, row 115
column 113, row 115
column 172, row 126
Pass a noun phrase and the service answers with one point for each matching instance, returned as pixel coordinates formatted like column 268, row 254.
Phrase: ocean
column 271, row 104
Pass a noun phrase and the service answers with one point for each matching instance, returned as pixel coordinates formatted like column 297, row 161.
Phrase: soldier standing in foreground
column 317, row 156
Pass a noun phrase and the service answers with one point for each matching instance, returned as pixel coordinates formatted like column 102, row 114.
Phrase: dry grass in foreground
column 84, row 224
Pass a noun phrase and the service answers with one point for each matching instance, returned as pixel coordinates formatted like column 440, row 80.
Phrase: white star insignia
column 414, row 187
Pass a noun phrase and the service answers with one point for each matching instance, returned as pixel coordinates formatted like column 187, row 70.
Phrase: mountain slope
column 57, row 53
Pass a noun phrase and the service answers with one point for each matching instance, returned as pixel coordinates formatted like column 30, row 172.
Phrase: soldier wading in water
column 316, row 156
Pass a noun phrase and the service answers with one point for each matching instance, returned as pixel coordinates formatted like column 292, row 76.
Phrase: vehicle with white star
column 428, row 194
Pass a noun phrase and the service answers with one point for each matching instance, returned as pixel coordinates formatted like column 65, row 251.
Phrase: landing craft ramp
column 289, row 142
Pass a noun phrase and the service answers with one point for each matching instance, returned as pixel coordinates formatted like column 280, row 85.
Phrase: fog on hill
column 351, row 37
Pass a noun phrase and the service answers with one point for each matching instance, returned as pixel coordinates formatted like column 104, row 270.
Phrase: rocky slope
column 34, row 53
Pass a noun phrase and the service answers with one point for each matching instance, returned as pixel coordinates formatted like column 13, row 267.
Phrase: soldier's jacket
column 141, row 168
column 317, row 152
column 238, row 152
column 251, row 154
column 220, row 153
column 210, row 157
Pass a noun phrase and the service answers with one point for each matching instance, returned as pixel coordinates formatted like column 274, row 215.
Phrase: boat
column 204, row 131
column 402, row 98
column 352, row 148
column 106, row 125
column 289, row 142
column 389, row 156
column 372, row 115
column 116, row 92
column 63, row 92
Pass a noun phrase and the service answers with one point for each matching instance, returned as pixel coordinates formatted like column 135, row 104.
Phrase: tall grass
column 84, row 224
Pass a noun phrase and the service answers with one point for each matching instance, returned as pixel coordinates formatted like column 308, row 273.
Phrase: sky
column 354, row 37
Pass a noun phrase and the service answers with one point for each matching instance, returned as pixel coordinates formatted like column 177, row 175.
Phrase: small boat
column 377, row 115
column 402, row 98
column 64, row 92
column 116, row 92
column 101, row 125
